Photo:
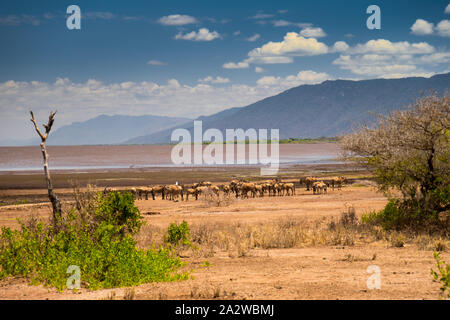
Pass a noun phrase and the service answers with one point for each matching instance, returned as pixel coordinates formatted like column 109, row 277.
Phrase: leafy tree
column 409, row 151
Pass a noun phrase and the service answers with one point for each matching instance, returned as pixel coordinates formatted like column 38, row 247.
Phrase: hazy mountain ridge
column 310, row 111
column 105, row 129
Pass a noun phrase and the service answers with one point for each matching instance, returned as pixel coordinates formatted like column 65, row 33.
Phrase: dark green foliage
column 399, row 214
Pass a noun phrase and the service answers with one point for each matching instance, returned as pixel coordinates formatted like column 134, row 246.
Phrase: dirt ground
column 307, row 272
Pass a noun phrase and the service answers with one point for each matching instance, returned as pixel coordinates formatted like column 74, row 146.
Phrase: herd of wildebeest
column 240, row 188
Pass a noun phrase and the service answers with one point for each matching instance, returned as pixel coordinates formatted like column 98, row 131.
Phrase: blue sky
column 191, row 58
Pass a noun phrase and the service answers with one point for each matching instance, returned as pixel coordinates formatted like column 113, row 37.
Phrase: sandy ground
column 319, row 272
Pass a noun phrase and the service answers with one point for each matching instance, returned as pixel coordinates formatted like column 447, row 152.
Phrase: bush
column 106, row 255
column 178, row 234
column 442, row 274
column 119, row 210
column 399, row 215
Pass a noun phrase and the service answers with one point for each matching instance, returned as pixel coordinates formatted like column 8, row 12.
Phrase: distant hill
column 311, row 111
column 114, row 129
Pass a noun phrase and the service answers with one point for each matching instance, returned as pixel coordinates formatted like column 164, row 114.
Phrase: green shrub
column 178, row 234
column 442, row 274
column 106, row 255
column 119, row 210
column 399, row 214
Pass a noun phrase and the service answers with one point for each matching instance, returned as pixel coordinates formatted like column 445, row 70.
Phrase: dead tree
column 56, row 204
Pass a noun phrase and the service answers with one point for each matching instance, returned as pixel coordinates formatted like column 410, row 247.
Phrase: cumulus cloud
column 447, row 9
column 422, row 27
column 436, row 58
column 313, row 32
column 443, row 28
column 340, row 46
column 210, row 79
column 156, row 63
column 383, row 46
column 293, row 44
column 303, row 77
column 202, row 34
column 254, row 37
column 383, row 58
column 177, row 20
column 386, row 66
column 238, row 65
column 259, row 70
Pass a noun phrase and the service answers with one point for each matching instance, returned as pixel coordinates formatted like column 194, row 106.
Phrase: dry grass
column 210, row 199
column 210, row 291
column 239, row 239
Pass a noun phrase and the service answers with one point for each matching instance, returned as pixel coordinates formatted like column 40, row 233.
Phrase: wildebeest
column 192, row 191
column 338, row 182
column 158, row 189
column 319, row 187
column 289, row 188
column 245, row 187
column 226, row 189
column 309, row 181
column 173, row 191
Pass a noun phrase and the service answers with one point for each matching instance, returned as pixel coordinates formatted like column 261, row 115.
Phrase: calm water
column 118, row 157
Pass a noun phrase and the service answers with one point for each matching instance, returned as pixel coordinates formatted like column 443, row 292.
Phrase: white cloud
column 284, row 23
column 340, row 46
column 254, row 37
column 202, row 34
column 422, row 27
column 293, row 44
column 177, row 20
column 238, row 65
column 156, row 63
column 313, row 32
column 103, row 15
column 447, row 9
column 443, row 28
column 303, row 77
column 269, row 60
column 383, row 46
column 436, row 58
column 17, row 20
column 262, row 16
column 212, row 80
column 388, row 66
column 236, row 33
column 259, row 70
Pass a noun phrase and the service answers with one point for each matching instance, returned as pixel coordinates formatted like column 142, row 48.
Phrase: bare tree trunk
column 56, row 204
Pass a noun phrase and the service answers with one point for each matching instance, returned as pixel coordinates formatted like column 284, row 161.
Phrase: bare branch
column 47, row 126
column 36, row 127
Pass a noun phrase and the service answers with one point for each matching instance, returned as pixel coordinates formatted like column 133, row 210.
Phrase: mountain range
column 321, row 110
column 307, row 111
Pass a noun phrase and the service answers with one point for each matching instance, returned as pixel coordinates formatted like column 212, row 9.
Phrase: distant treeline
column 281, row 141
